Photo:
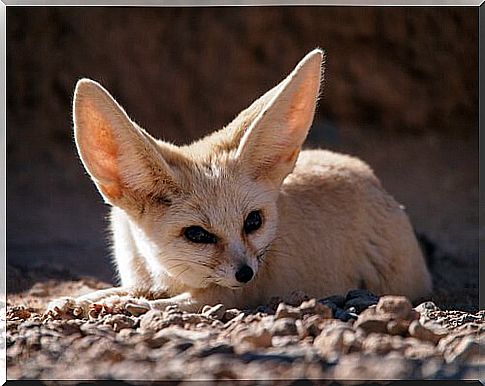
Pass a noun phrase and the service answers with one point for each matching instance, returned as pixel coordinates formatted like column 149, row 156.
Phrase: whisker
column 199, row 263
column 181, row 273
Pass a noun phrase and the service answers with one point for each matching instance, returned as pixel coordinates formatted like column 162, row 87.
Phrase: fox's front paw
column 68, row 307
column 132, row 305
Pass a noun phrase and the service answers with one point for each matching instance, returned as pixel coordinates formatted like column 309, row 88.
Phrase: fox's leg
column 122, row 297
column 184, row 302
column 131, row 266
column 81, row 304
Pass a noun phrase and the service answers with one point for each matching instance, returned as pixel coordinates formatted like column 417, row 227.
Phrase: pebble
column 313, row 307
column 331, row 343
column 370, row 322
column 377, row 343
column 417, row 330
column 285, row 326
column 215, row 312
column 426, row 307
column 357, row 305
column 343, row 315
column 230, row 314
column 256, row 338
column 467, row 348
column 119, row 322
column 287, row 311
column 396, row 307
column 337, row 300
column 398, row 327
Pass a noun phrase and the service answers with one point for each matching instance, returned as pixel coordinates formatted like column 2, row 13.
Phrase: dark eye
column 253, row 221
column 199, row 235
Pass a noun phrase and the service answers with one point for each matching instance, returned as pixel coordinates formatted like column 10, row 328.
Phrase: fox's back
column 339, row 229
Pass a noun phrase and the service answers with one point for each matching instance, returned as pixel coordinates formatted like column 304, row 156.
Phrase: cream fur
column 328, row 225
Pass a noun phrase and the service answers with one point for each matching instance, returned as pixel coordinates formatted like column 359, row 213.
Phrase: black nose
column 244, row 274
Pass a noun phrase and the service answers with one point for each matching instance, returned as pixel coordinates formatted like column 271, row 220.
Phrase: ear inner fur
column 123, row 160
column 269, row 148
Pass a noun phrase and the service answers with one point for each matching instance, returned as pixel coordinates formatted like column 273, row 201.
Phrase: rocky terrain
column 400, row 93
column 352, row 337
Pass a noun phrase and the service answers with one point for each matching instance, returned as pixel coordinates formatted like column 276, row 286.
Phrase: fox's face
column 206, row 213
column 216, row 230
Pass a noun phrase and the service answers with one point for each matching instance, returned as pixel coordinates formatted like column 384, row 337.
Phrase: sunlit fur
column 328, row 225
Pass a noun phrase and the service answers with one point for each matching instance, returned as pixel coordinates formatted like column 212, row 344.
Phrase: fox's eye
column 198, row 234
column 253, row 221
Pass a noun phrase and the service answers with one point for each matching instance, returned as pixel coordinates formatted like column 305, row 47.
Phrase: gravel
column 359, row 336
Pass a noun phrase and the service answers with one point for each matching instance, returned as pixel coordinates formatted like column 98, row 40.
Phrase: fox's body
column 323, row 222
column 337, row 229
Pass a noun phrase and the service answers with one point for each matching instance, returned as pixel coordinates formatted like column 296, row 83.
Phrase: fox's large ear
column 122, row 159
column 270, row 146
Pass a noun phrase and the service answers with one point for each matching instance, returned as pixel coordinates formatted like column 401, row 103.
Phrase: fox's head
column 205, row 213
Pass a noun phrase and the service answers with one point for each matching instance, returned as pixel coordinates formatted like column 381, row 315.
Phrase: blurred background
column 400, row 92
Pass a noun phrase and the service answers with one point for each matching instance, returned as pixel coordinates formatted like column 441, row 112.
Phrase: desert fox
column 243, row 214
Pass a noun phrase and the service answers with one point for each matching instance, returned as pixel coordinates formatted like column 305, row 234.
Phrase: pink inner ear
column 98, row 149
column 300, row 112
column 298, row 117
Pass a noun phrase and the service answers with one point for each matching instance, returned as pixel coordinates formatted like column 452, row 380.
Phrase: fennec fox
column 241, row 215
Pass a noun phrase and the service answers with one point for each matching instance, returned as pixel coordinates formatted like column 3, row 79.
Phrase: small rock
column 343, row 315
column 359, row 304
column 285, row 341
column 214, row 348
column 217, row 323
column 287, row 311
column 157, row 340
column 230, row 314
column 330, row 305
column 153, row 320
column 467, row 348
column 377, row 343
column 398, row 327
column 355, row 366
column 426, row 307
column 234, row 322
column 285, row 326
column 256, row 338
column 337, row 300
column 20, row 312
column 370, row 322
column 421, row 352
column 301, row 329
column 420, row 332
column 333, row 341
column 119, row 322
column 313, row 307
column 372, row 325
column 215, row 312
column 313, row 325
column 395, row 307
column 205, row 309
